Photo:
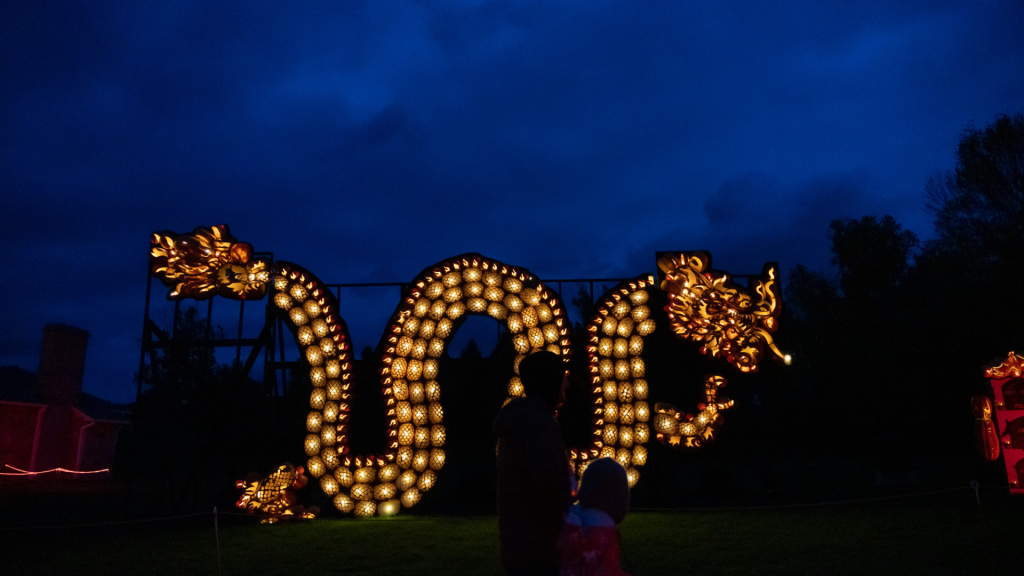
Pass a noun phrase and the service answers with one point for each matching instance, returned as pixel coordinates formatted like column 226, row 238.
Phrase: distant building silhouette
column 46, row 421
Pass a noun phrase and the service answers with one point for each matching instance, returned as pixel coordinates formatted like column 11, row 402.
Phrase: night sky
column 368, row 140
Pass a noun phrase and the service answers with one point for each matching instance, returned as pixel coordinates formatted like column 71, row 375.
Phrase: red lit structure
column 1008, row 387
column 46, row 421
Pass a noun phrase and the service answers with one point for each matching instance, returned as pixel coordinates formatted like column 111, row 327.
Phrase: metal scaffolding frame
column 272, row 335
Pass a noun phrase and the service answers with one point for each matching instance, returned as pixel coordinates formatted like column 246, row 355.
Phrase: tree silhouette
column 471, row 350
column 871, row 255
column 979, row 206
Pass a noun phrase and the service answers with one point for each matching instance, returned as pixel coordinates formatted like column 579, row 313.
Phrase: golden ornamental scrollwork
column 207, row 262
column 688, row 430
column 726, row 319
column 273, row 496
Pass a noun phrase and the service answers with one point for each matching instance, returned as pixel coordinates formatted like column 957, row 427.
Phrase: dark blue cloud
column 366, row 140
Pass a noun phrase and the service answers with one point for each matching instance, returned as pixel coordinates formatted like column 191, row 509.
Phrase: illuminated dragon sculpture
column 704, row 307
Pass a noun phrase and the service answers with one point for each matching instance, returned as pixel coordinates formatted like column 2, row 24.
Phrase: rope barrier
column 20, row 472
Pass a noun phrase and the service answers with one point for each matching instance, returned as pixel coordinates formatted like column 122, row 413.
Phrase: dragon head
column 208, row 262
column 706, row 307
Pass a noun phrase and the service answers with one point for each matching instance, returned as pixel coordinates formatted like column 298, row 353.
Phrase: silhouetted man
column 534, row 474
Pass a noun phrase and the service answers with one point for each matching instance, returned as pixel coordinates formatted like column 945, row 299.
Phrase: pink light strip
column 21, row 472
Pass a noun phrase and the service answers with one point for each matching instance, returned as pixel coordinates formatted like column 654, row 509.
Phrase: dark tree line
column 889, row 346
column 893, row 341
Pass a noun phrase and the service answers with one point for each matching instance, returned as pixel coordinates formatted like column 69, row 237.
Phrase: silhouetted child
column 589, row 543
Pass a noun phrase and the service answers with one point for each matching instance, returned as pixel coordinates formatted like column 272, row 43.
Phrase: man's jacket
column 534, row 484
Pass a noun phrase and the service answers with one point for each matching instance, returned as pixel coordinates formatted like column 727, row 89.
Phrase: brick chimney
column 59, row 383
column 62, row 364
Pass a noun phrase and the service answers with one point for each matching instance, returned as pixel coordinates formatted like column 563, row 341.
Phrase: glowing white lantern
column 643, row 411
column 610, row 390
column 640, row 389
column 433, row 290
column 406, row 480
column 497, row 311
column 312, row 308
column 645, row 327
column 452, row 294
column 316, row 467
column 410, row 497
column 366, row 509
column 313, row 422
column 314, row 355
column 320, row 328
column 513, row 303
column 388, row 508
column 385, row 491
column 544, row 313
column 312, row 444
column 432, row 391
column 344, row 477
column 283, row 301
column 456, row 310
column 298, row 316
column 420, row 460
column 422, row 307
column 398, row 367
column 437, row 309
column 427, row 480
column 416, row 392
column 427, row 327
column 344, row 503
column 329, row 485
column 640, row 313
column 530, row 296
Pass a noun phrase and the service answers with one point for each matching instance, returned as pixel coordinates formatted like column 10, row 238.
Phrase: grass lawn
column 915, row 536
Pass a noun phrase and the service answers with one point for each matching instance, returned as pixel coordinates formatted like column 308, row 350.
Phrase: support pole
column 284, row 371
column 174, row 323
column 209, row 319
column 146, row 337
column 216, row 536
column 241, row 316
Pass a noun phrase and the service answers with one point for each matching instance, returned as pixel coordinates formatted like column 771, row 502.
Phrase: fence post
column 216, row 536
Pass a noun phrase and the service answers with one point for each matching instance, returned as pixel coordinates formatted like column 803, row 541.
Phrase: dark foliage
column 892, row 348
column 471, row 351
column 199, row 426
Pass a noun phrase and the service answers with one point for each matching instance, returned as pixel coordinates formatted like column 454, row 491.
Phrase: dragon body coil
column 211, row 262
